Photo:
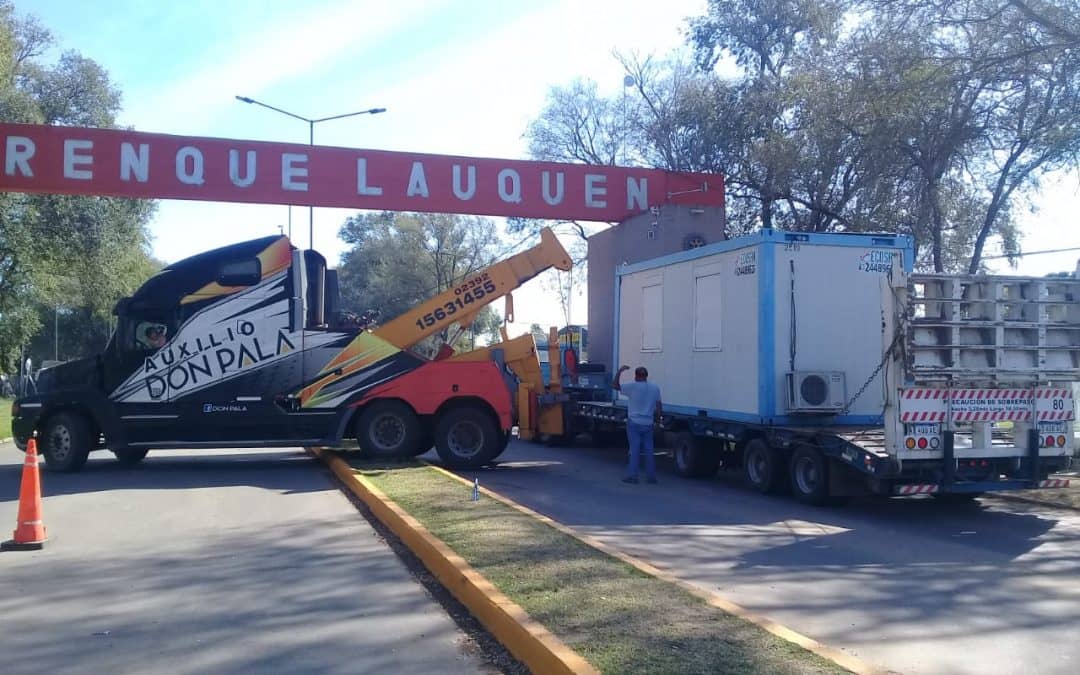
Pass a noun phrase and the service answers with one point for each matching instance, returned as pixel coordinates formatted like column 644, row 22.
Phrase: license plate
column 583, row 381
column 1052, row 427
column 925, row 429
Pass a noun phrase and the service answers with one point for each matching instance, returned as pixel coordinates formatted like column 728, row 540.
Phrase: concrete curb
column 840, row 658
column 526, row 639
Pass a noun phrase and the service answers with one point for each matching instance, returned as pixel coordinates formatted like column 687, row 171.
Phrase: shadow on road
column 917, row 567
column 294, row 598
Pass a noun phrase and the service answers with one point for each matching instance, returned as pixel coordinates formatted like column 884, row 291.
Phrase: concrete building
column 662, row 231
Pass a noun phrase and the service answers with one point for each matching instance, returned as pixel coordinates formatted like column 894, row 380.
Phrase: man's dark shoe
column 630, row 479
column 652, row 481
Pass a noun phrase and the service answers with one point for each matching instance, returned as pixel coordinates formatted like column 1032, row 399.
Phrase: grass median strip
column 620, row 619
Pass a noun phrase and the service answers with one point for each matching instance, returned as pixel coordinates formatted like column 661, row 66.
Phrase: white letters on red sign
column 68, row 160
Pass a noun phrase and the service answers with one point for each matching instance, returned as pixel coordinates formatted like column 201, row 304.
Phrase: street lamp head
column 245, row 99
column 376, row 111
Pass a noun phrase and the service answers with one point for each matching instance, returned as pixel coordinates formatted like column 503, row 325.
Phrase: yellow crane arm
column 462, row 302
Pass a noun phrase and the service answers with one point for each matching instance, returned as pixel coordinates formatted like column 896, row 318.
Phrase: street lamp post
column 311, row 141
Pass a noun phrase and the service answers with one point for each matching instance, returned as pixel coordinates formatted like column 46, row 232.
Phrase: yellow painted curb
column 840, row 658
column 526, row 639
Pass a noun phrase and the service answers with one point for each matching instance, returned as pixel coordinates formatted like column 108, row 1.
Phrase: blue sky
column 458, row 76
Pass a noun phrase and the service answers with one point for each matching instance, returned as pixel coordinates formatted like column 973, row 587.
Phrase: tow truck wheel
column 389, row 428
column 693, row 458
column 763, row 467
column 426, row 443
column 504, row 443
column 467, row 437
column 809, row 476
column 130, row 456
column 65, row 443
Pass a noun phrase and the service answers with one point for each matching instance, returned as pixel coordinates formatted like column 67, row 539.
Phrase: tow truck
column 245, row 346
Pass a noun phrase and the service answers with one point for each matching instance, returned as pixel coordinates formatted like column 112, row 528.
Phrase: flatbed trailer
column 861, row 463
column 822, row 364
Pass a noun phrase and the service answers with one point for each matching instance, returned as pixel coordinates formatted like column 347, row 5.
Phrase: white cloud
column 270, row 54
column 464, row 96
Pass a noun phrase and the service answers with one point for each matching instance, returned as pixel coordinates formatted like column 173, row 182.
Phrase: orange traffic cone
column 29, row 528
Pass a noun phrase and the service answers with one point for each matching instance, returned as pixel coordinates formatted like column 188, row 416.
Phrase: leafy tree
column 77, row 253
column 931, row 117
column 398, row 260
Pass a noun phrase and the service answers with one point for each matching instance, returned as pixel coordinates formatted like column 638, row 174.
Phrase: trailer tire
column 467, row 437
column 763, row 467
column 809, row 475
column 389, row 428
column 66, row 442
column 130, row 456
column 693, row 458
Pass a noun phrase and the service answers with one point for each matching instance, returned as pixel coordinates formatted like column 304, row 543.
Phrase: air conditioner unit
column 816, row 391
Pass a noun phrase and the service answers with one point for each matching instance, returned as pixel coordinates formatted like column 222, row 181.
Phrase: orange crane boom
column 461, row 303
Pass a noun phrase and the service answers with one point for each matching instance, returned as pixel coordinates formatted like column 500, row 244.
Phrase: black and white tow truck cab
column 213, row 351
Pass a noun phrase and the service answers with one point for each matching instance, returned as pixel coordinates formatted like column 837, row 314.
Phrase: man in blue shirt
column 643, row 410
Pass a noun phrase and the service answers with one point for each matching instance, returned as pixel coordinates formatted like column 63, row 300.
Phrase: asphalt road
column 914, row 585
column 227, row 562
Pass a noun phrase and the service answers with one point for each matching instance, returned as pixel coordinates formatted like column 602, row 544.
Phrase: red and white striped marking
column 993, row 416
column 1054, row 405
column 990, row 394
column 986, row 405
column 923, row 405
column 924, row 393
column 1053, row 393
column 1054, row 483
column 924, row 416
column 928, row 489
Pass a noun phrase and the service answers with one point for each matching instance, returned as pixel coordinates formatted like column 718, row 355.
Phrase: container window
column 652, row 318
column 707, row 293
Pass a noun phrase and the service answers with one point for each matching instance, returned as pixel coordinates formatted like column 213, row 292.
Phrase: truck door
column 233, row 358
column 136, row 376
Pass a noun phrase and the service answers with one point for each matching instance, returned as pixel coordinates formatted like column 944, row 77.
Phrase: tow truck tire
column 65, row 443
column 389, row 428
column 426, row 443
column 693, row 458
column 130, row 456
column 763, row 467
column 467, row 438
column 809, row 476
column 505, row 443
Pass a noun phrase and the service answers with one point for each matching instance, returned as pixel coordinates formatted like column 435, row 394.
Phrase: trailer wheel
column 130, row 456
column 390, row 428
column 809, row 476
column 763, row 467
column 66, row 442
column 693, row 458
column 467, row 437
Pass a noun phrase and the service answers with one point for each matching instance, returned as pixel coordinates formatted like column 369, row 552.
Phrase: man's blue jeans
column 641, row 439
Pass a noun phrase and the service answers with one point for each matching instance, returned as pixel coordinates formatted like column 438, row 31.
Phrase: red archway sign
column 84, row 161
